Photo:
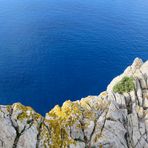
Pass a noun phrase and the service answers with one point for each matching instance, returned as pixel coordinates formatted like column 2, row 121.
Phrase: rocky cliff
column 117, row 118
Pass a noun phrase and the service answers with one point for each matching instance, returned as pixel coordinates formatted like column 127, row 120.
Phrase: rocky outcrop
column 108, row 120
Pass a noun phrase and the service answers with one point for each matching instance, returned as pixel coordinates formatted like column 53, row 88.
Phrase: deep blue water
column 54, row 50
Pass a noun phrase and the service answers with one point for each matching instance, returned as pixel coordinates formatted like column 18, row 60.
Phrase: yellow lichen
column 27, row 112
column 8, row 108
column 59, row 119
column 22, row 116
column 103, row 94
column 19, row 106
column 45, row 136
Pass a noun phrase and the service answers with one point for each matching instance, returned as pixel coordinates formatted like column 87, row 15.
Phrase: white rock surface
column 104, row 121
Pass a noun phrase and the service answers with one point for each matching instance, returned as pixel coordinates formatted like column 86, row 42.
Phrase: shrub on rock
column 125, row 85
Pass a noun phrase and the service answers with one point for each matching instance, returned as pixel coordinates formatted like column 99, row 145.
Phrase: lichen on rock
column 59, row 119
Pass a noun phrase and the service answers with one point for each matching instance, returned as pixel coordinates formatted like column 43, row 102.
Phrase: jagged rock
column 108, row 120
column 7, row 132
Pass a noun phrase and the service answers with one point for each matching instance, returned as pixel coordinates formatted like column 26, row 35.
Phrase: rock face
column 110, row 120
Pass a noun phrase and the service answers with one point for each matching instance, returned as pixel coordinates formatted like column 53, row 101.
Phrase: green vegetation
column 125, row 85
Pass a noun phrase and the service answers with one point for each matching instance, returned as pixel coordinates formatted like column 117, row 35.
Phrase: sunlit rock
column 112, row 119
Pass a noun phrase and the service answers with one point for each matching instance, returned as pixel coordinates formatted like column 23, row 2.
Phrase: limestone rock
column 108, row 120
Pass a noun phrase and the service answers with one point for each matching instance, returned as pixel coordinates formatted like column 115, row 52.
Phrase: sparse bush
column 125, row 85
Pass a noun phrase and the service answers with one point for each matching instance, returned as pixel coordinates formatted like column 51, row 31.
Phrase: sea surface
column 55, row 50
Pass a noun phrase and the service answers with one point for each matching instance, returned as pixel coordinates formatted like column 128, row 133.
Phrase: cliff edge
column 118, row 117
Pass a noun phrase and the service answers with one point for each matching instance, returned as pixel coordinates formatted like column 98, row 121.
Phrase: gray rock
column 108, row 120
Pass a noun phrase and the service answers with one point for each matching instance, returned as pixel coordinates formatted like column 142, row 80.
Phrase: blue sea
column 55, row 50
